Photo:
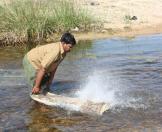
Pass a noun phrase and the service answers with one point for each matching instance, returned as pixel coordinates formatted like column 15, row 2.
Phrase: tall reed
column 34, row 20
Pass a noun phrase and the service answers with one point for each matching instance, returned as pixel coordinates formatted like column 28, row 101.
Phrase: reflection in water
column 81, row 50
column 125, row 72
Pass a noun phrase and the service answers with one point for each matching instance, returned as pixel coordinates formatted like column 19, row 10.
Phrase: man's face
column 67, row 47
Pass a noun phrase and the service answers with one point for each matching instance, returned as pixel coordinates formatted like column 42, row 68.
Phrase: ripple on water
column 129, row 68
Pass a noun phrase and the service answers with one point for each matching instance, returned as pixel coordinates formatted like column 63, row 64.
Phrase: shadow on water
column 65, row 87
column 126, row 71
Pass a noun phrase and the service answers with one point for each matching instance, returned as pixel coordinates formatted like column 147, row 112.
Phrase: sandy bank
column 116, row 18
column 120, row 33
column 124, row 18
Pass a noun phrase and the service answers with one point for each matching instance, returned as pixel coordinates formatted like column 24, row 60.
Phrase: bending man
column 40, row 63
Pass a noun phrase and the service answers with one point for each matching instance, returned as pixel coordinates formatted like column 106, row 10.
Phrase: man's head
column 68, row 41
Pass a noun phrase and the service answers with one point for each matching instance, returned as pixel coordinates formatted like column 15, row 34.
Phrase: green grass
column 35, row 20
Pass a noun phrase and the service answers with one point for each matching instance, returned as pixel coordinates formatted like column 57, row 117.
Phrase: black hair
column 68, row 38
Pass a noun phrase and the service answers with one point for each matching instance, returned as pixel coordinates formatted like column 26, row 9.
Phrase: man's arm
column 38, row 80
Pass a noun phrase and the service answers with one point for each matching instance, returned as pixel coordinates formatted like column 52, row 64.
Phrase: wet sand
column 118, row 33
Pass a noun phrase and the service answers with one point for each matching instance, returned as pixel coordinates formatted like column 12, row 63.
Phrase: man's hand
column 39, row 77
column 35, row 90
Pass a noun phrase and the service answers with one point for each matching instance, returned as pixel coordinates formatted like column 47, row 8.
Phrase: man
column 40, row 63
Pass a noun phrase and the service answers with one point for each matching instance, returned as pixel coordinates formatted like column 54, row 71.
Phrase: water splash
column 104, row 87
column 99, row 88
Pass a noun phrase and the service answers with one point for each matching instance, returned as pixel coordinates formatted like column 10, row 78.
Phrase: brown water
column 125, row 72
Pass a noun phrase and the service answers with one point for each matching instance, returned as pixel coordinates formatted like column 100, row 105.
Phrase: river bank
column 124, row 18
column 120, row 33
column 110, row 19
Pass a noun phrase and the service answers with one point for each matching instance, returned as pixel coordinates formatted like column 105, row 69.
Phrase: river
column 125, row 72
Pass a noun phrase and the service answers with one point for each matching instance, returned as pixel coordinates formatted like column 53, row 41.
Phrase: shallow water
column 123, row 71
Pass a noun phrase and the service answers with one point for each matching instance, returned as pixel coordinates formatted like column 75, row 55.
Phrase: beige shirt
column 46, row 56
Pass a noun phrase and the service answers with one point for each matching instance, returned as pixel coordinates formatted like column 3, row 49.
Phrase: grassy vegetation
column 33, row 21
